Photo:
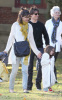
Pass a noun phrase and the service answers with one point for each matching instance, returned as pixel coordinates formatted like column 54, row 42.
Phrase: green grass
column 34, row 94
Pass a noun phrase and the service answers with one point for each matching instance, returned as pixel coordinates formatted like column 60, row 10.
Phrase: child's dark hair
column 23, row 12
column 33, row 9
column 48, row 49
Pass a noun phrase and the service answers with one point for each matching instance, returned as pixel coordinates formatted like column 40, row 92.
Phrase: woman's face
column 52, row 52
column 56, row 15
column 25, row 18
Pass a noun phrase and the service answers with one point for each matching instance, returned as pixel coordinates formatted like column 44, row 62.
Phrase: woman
column 19, row 32
column 54, row 30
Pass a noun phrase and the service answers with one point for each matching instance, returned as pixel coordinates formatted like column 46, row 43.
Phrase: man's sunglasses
column 36, row 13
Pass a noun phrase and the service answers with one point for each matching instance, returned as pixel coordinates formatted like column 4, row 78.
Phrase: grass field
column 34, row 94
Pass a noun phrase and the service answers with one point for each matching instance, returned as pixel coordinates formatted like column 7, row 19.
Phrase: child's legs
column 13, row 74
column 24, row 74
column 45, row 89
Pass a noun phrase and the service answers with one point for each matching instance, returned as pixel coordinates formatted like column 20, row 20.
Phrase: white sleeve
column 46, row 25
column 31, row 40
column 45, row 59
column 52, row 62
column 44, row 45
column 10, row 39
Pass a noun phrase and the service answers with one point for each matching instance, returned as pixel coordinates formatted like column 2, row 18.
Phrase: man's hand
column 39, row 55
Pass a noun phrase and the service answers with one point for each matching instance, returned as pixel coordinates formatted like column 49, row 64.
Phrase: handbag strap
column 26, row 39
column 15, row 40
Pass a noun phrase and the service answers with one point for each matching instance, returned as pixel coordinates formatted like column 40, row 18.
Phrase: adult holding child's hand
column 21, row 32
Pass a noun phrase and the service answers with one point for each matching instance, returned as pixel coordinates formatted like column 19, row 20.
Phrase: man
column 38, row 30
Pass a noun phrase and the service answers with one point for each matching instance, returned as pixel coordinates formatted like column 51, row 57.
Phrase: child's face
column 52, row 52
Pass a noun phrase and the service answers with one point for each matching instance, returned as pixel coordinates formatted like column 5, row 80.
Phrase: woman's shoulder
column 60, row 22
column 15, row 24
column 30, row 26
column 48, row 21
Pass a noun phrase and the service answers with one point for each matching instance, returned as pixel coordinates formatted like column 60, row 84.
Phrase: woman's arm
column 10, row 39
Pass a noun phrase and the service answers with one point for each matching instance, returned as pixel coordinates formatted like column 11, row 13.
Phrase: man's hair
column 33, row 9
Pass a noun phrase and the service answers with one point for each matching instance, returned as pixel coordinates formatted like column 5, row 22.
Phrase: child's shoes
column 50, row 90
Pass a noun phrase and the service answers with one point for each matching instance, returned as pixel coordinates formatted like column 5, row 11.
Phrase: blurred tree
column 51, row 3
column 55, row 2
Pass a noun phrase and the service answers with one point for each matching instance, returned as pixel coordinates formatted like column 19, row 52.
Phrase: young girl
column 47, row 62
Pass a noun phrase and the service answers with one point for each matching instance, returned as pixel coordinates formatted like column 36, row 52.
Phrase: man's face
column 35, row 16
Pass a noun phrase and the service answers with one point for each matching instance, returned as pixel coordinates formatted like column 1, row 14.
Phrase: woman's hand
column 39, row 55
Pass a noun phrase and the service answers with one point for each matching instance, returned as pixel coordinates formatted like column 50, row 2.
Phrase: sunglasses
column 36, row 13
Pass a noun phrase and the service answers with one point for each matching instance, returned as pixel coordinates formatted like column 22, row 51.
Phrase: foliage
column 55, row 2
column 52, row 3
column 34, row 94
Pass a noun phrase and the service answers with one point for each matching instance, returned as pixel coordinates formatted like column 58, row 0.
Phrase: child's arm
column 52, row 62
column 45, row 59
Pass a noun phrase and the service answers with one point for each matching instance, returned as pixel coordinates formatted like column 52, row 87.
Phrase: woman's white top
column 17, row 34
column 49, row 27
column 48, row 76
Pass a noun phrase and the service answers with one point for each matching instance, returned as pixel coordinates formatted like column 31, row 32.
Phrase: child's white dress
column 48, row 76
